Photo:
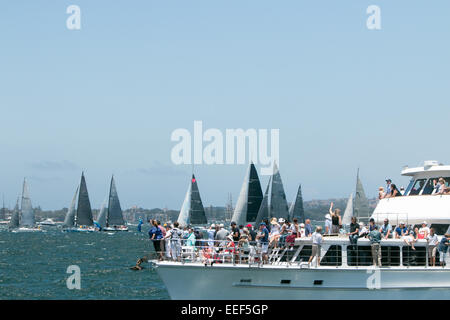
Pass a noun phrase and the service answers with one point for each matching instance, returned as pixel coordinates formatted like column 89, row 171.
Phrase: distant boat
column 361, row 208
column 274, row 203
column 15, row 218
column 357, row 206
column 114, row 217
column 296, row 210
column 26, row 219
column 250, row 198
column 47, row 222
column 192, row 211
column 80, row 220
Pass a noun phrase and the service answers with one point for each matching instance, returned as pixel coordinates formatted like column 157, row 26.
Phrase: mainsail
column 114, row 217
column 192, row 211
column 296, row 210
column 14, row 222
column 84, row 212
column 278, row 206
column 69, row 220
column 348, row 213
column 27, row 216
column 101, row 220
column 361, row 205
column 250, row 198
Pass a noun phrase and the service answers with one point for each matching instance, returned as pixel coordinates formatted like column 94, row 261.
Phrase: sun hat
column 281, row 220
column 249, row 225
column 213, row 225
column 302, row 225
column 262, row 224
column 328, row 216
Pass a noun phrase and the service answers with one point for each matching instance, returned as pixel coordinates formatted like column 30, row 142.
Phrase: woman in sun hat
column 274, row 232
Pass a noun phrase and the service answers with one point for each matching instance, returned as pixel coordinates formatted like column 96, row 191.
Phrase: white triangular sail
column 101, row 220
column 27, row 216
column 348, row 213
column 69, row 220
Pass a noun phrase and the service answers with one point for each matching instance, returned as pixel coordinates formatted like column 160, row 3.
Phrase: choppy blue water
column 34, row 265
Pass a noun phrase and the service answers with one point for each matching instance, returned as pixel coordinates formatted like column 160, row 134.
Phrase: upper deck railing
column 335, row 251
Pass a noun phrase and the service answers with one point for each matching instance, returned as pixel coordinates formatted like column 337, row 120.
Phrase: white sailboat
column 348, row 213
column 26, row 218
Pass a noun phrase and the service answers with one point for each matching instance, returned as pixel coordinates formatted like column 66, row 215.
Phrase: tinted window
column 429, row 187
column 410, row 185
column 333, row 257
column 417, row 187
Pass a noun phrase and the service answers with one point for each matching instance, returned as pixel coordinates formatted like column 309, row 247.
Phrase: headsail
column 69, row 220
column 101, row 220
column 361, row 206
column 296, row 210
column 84, row 212
column 14, row 222
column 27, row 216
column 263, row 212
column 192, row 211
column 348, row 213
column 114, row 217
column 250, row 198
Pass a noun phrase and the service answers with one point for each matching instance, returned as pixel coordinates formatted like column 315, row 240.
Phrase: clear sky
column 105, row 99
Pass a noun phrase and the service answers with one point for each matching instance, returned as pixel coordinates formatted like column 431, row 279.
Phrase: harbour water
column 34, row 265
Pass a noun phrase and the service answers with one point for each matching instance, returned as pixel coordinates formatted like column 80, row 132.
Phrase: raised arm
column 331, row 208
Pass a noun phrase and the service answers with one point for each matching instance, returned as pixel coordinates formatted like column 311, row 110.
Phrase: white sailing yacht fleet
column 346, row 270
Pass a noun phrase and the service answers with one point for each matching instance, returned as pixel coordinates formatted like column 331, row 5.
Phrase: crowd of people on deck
column 391, row 190
column 170, row 239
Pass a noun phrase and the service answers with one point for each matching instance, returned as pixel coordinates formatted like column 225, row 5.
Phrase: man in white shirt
column 316, row 244
column 433, row 241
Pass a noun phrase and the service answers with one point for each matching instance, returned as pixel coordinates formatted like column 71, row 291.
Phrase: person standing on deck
column 211, row 234
column 263, row 238
column 155, row 236
column 354, row 231
column 336, row 219
column 308, row 228
column 432, row 247
column 388, row 187
column 443, row 248
column 316, row 245
column 375, row 239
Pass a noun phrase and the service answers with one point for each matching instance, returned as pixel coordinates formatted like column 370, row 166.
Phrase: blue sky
column 105, row 99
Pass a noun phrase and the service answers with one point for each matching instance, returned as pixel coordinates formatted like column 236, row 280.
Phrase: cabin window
column 440, row 228
column 415, row 257
column 304, row 254
column 390, row 256
column 333, row 257
column 417, row 187
column 359, row 256
column 429, row 187
column 409, row 187
column 362, row 256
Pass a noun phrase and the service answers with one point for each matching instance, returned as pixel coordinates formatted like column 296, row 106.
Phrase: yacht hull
column 271, row 283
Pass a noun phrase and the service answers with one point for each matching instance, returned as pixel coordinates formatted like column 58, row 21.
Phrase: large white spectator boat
column 346, row 271
column 419, row 203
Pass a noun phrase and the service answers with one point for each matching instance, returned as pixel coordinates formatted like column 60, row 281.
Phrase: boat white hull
column 23, row 229
column 232, row 283
column 79, row 230
column 109, row 229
